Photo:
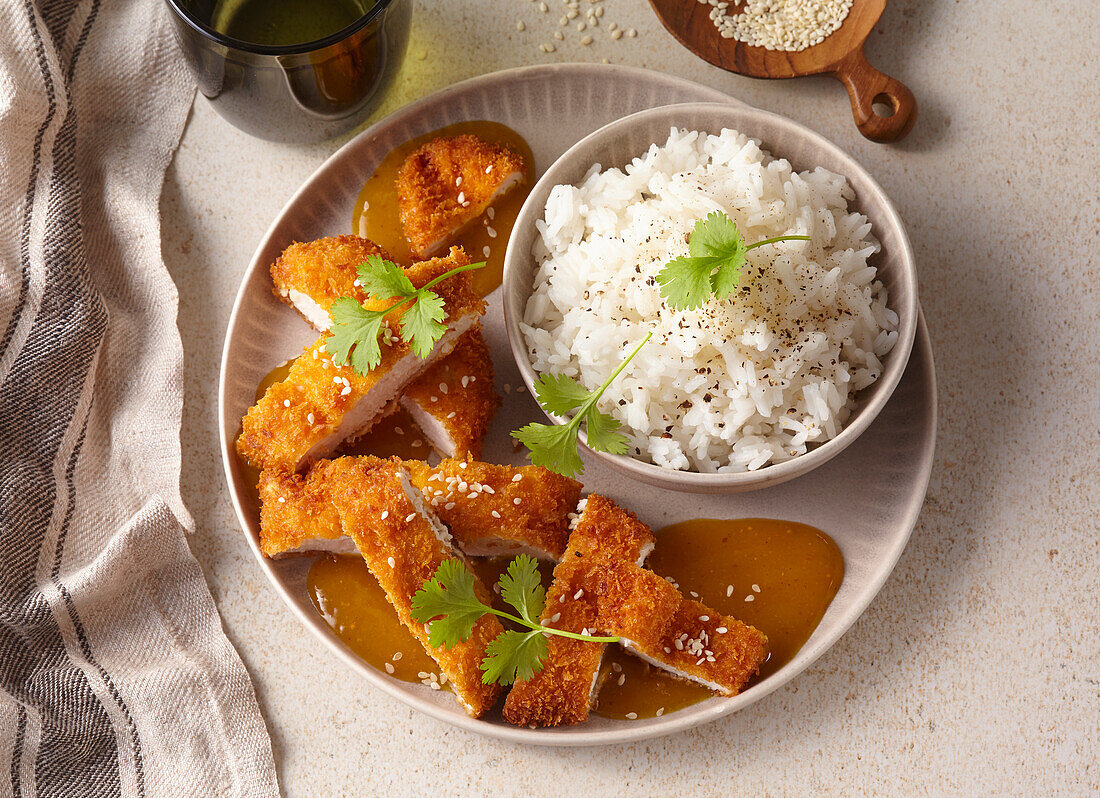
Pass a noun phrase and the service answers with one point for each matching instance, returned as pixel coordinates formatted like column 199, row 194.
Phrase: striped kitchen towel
column 116, row 677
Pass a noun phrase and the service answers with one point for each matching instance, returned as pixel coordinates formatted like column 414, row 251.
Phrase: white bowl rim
column 769, row 475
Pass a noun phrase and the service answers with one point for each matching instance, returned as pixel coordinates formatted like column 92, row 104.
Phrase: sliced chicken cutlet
column 320, row 404
column 453, row 401
column 309, row 276
column 496, row 510
column 683, row 637
column 403, row 542
column 477, row 501
column 448, row 183
column 564, row 691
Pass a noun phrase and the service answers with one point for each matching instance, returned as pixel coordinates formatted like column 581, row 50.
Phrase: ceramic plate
column 867, row 498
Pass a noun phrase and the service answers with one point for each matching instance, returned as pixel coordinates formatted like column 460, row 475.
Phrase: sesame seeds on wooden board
column 581, row 20
column 788, row 25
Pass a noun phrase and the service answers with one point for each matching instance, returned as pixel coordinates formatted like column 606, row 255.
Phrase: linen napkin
column 116, row 677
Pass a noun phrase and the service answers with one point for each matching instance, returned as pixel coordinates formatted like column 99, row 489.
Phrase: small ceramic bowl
column 617, row 144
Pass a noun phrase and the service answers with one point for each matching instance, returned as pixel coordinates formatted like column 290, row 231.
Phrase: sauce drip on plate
column 797, row 568
column 356, row 608
column 376, row 214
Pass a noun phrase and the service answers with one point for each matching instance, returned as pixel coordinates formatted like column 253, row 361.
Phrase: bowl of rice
column 745, row 391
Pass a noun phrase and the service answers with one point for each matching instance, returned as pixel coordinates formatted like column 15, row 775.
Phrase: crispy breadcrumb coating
column 562, row 693
column 322, row 271
column 448, row 183
column 500, row 510
column 454, row 401
column 681, row 636
column 455, row 419
column 321, row 404
column 403, row 543
column 296, row 508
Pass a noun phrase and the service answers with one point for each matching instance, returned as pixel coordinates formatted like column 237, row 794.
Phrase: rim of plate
column 518, row 266
column 572, row 736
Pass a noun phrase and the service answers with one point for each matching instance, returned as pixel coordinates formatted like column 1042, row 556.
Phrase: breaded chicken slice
column 477, row 501
column 321, row 404
column 496, row 510
column 683, row 637
column 297, row 515
column 454, row 401
column 309, row 276
column 403, row 542
column 564, row 691
column 448, row 183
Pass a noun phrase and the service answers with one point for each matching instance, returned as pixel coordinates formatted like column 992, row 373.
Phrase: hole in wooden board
column 884, row 106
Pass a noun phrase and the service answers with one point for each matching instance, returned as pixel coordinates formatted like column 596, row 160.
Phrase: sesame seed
column 458, row 180
column 385, row 514
column 346, row 390
column 491, row 212
column 555, row 617
column 421, row 675
column 520, row 26
column 435, row 398
column 587, row 40
column 309, row 418
column 449, row 506
column 397, row 655
column 660, row 712
column 389, row 668
column 632, row 715
column 451, row 414
column 622, row 679
column 517, row 477
column 515, row 501
column 286, row 403
column 496, row 514
column 410, row 517
column 750, row 597
column 632, row 33
column 488, row 169
column 756, row 588
column 492, row 233
column 461, row 197
column 543, row 7
column 578, row 594
column 704, row 617
column 485, row 252
column 721, row 630
column 443, row 387
column 616, row 34
column 729, row 590
column 391, row 562
column 282, row 500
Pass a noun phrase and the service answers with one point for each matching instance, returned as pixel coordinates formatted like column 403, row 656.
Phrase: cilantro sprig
column 712, row 267
column 554, row 446
column 355, row 329
column 448, row 604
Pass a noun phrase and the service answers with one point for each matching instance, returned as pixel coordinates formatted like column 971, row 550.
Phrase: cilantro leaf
column 421, row 324
column 600, row 431
column 552, row 446
column 354, row 335
column 514, row 655
column 717, row 253
column 685, row 282
column 558, row 394
column 521, row 586
column 384, row 279
column 355, row 329
column 555, row 447
column 448, row 604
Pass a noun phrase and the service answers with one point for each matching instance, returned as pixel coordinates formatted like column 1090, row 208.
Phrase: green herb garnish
column 448, row 604
column 713, row 265
column 554, row 446
column 355, row 329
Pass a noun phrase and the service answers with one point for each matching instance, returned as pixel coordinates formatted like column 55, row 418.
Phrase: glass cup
column 300, row 92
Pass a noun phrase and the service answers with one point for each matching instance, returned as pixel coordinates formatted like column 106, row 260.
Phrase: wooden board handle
column 866, row 87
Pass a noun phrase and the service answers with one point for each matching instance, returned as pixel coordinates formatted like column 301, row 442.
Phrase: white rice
column 739, row 383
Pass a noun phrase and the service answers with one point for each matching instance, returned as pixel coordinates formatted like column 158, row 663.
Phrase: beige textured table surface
column 977, row 668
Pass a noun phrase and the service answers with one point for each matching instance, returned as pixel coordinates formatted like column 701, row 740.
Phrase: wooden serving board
column 840, row 55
